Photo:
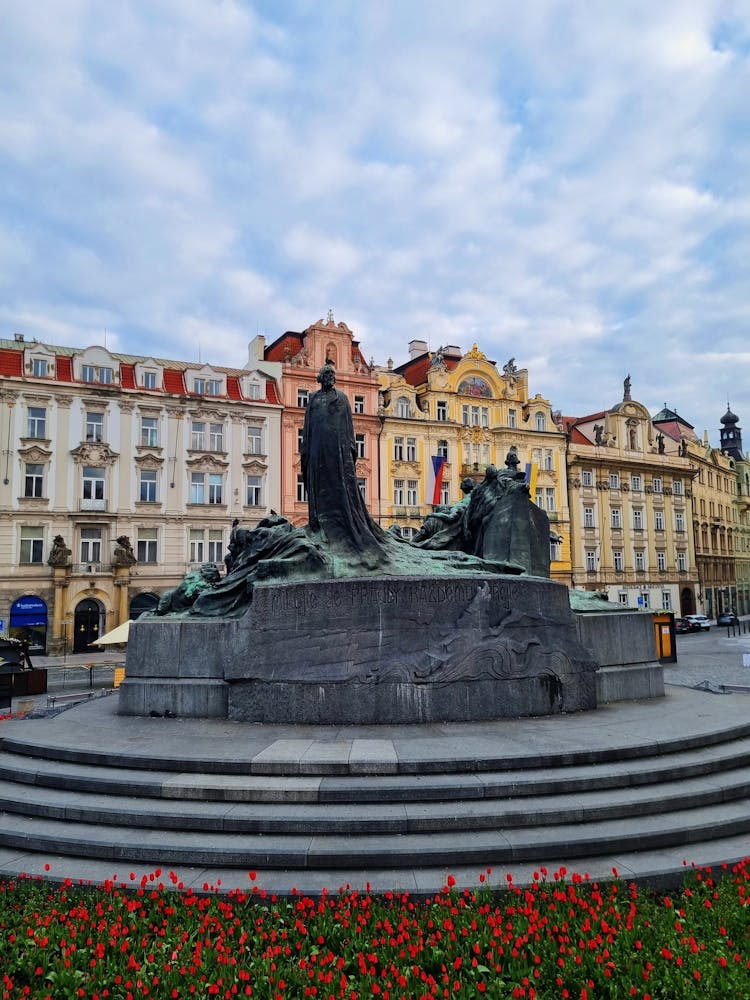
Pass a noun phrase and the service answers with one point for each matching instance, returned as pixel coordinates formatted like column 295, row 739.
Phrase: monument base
column 369, row 651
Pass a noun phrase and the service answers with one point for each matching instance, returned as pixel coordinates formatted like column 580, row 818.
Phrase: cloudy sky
column 563, row 182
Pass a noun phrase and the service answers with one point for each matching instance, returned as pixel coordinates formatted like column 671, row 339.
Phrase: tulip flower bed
column 563, row 936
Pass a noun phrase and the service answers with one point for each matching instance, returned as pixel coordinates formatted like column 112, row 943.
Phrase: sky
column 566, row 183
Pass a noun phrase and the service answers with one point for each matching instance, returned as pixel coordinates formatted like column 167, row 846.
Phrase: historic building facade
column 713, row 510
column 731, row 445
column 121, row 473
column 459, row 408
column 300, row 356
column 631, row 513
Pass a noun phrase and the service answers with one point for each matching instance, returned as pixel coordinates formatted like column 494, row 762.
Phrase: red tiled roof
column 272, row 395
column 11, row 362
column 415, row 371
column 576, row 437
column 174, row 382
column 127, row 376
column 64, row 368
column 287, row 345
column 233, row 388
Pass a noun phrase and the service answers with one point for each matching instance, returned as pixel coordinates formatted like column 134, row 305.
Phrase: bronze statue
column 123, row 554
column 329, row 455
column 59, row 553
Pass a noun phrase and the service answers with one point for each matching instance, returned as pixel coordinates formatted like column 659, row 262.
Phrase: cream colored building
column 631, row 510
column 460, row 407
column 98, row 446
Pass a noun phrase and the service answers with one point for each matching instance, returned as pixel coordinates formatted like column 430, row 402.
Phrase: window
column 359, row 441
column 659, row 520
column 554, row 550
column 614, row 480
column 398, row 449
column 39, row 367
column 359, row 404
column 635, row 484
column 617, row 560
column 149, row 380
column 657, row 484
column 442, row 410
column 36, row 422
column 362, row 487
column 465, row 415
column 215, row 545
column 93, row 483
column 197, row 491
column 661, row 561
column 550, row 499
column 541, row 423
column 677, row 487
column 588, row 517
column 616, row 516
column 146, row 546
column 640, row 561
column 403, row 409
column 681, row 562
column 679, row 521
column 442, row 449
column 255, row 440
column 398, row 492
column 638, row 519
column 539, row 497
column 91, row 545
column 548, row 460
column 33, row 485
column 213, row 387
column 150, row 431
column 216, row 437
column 475, row 416
column 407, row 533
column 301, row 491
column 445, row 494
column 622, row 598
column 411, row 493
column 587, row 477
column 254, row 491
column 198, row 435
column 197, row 546
column 411, row 449
column 94, row 426
column 645, row 600
column 88, row 373
column 300, row 439
column 253, row 391
column 590, row 561
column 147, row 493
column 105, row 376
column 32, row 543
column 215, row 487
column 303, row 398
column 485, row 417
column 666, row 600
column 512, row 418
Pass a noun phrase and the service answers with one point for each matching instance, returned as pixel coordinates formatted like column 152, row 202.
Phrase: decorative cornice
column 35, row 453
column 94, row 453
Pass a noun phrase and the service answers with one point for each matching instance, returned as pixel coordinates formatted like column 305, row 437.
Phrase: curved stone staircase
column 96, row 796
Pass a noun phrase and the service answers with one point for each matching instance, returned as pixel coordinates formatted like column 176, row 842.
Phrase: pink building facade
column 301, row 356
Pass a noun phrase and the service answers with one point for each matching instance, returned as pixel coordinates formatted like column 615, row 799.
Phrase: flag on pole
column 531, row 473
column 435, row 479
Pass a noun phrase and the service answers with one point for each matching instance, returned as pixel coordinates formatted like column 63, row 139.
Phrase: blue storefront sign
column 28, row 619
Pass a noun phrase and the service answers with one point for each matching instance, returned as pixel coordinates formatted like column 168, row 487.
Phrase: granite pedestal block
column 372, row 651
column 624, row 645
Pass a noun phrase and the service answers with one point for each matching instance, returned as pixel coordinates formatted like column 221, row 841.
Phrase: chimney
column 416, row 348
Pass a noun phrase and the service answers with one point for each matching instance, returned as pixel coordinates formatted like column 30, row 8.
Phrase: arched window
column 402, row 407
column 442, row 449
column 541, row 423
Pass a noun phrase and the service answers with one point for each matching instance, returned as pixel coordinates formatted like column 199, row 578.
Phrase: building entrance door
column 86, row 625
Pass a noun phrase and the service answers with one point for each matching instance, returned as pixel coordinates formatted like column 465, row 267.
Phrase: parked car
column 727, row 618
column 702, row 620
column 683, row 625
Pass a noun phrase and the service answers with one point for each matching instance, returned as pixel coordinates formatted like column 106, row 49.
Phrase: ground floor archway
column 87, row 624
column 142, row 603
column 687, row 601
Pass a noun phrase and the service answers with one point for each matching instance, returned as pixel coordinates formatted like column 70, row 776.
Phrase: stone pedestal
column 369, row 651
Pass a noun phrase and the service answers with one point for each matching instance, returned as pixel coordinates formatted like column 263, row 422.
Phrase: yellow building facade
column 460, row 407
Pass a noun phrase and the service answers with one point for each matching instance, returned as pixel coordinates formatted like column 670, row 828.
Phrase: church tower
column 731, row 435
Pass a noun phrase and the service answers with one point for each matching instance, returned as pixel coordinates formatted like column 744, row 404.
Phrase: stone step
column 341, row 817
column 536, row 844
column 232, row 787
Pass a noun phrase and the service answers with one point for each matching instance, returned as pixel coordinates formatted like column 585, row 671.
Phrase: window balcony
column 90, row 504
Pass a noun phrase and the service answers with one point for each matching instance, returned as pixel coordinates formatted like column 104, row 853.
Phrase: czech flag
column 435, row 479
